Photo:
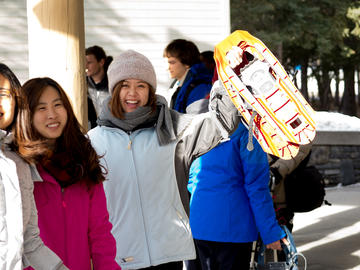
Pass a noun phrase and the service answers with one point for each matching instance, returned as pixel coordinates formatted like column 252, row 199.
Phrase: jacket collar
column 5, row 139
column 35, row 175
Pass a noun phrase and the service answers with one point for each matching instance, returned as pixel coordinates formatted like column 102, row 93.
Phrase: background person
column 280, row 169
column 19, row 232
column 69, row 195
column 207, row 58
column 192, row 80
column 96, row 67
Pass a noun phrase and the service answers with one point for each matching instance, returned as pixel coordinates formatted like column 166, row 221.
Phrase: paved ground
column 329, row 236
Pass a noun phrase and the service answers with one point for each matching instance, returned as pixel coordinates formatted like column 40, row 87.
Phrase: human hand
column 276, row 245
column 234, row 56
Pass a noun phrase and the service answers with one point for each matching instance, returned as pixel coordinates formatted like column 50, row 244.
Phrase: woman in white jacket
column 147, row 150
column 20, row 243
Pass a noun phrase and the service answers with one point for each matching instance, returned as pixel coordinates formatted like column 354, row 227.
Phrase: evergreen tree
column 319, row 34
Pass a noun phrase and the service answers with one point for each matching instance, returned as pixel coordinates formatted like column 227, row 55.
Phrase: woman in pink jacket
column 71, row 203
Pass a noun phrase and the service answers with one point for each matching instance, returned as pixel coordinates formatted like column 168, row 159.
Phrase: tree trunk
column 279, row 52
column 337, row 89
column 358, row 86
column 323, row 81
column 348, row 101
column 324, row 89
column 304, row 80
column 57, row 48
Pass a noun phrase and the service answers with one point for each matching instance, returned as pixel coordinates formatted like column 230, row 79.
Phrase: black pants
column 194, row 264
column 223, row 256
column 166, row 266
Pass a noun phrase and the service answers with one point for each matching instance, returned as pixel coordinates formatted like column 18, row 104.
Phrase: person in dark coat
column 192, row 79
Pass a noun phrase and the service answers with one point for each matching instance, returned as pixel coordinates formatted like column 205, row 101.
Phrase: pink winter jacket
column 74, row 223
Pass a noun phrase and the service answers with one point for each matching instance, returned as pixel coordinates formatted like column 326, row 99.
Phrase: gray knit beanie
column 131, row 65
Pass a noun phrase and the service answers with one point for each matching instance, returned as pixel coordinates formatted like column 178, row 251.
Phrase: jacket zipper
column 222, row 122
column 130, row 141
column 131, row 258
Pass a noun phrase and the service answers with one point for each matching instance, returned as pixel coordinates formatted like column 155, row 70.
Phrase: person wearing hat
column 147, row 149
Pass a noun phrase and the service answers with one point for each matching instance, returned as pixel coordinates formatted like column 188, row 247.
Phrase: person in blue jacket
column 231, row 204
column 192, row 79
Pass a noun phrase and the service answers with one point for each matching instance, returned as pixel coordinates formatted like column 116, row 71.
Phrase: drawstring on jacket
column 250, row 145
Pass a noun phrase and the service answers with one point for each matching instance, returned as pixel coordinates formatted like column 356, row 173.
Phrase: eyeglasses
column 5, row 94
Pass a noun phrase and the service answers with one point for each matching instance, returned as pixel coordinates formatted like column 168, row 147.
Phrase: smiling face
column 50, row 115
column 175, row 68
column 7, row 103
column 133, row 94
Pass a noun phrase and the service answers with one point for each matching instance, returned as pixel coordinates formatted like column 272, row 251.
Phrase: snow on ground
column 331, row 121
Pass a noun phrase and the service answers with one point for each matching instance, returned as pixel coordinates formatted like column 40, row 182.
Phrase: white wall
column 13, row 36
column 117, row 25
column 149, row 25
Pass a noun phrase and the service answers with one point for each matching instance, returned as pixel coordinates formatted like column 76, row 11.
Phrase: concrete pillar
column 57, row 47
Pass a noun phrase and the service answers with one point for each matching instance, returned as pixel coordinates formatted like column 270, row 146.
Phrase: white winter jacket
column 19, row 233
column 150, row 224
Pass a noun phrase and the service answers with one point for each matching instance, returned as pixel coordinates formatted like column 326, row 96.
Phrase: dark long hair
column 15, row 85
column 33, row 147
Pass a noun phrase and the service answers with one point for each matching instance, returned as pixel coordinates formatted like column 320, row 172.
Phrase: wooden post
column 57, row 48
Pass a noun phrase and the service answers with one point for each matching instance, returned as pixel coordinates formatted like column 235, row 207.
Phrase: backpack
column 305, row 188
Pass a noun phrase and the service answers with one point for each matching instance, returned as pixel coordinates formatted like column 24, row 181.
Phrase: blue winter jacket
column 230, row 198
column 199, row 79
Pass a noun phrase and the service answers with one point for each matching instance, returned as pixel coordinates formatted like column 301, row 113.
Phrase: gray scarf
column 142, row 116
